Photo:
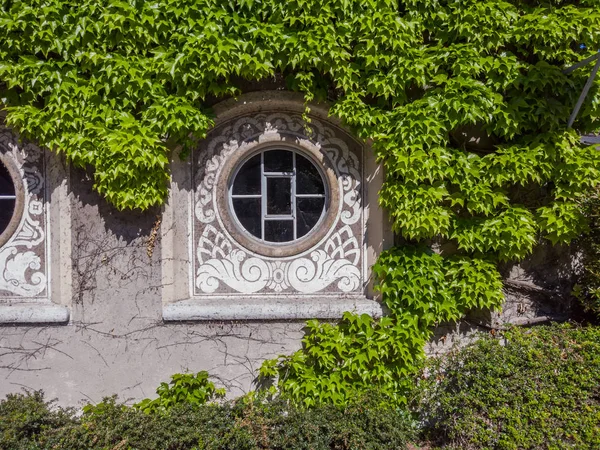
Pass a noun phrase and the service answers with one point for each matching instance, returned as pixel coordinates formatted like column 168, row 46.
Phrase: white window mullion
column 280, row 217
column 246, row 196
column 294, row 218
column 263, row 192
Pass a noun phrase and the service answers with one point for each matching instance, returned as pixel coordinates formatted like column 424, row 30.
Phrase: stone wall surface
column 536, row 291
column 111, row 275
column 117, row 343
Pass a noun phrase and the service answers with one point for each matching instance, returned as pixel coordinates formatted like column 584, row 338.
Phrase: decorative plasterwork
column 223, row 267
column 23, row 257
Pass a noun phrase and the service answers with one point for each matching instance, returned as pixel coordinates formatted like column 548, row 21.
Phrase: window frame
column 191, row 201
column 263, row 196
column 271, row 249
column 39, row 235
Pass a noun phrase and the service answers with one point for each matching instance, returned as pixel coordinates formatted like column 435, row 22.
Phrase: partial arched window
column 11, row 187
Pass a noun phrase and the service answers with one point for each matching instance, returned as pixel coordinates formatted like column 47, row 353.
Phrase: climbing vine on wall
column 420, row 288
column 465, row 103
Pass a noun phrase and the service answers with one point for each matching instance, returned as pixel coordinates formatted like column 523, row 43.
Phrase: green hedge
column 27, row 421
column 532, row 389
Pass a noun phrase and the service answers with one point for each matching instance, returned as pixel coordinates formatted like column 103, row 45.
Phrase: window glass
column 308, row 212
column 247, row 211
column 6, row 183
column 7, row 198
column 308, row 178
column 279, row 230
column 279, row 161
column 247, row 181
column 278, row 195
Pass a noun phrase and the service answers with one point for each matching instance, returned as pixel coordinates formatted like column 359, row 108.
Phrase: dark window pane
column 279, row 230
column 6, row 211
column 279, row 161
column 6, row 183
column 308, row 212
column 279, row 195
column 247, row 180
column 247, row 211
column 308, row 178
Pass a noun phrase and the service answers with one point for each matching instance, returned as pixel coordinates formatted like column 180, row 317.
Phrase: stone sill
column 261, row 308
column 33, row 313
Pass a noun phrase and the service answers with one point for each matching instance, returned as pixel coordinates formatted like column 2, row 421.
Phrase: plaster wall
column 116, row 341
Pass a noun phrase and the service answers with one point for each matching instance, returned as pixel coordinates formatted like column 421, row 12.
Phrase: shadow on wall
column 539, row 288
column 121, row 244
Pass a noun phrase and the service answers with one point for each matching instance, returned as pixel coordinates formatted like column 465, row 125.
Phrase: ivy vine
column 465, row 102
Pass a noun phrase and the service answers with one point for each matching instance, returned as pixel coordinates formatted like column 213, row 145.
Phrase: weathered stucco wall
column 116, row 341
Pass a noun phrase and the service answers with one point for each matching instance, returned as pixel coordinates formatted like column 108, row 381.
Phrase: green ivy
column 184, row 388
column 465, row 103
column 116, row 84
column 421, row 289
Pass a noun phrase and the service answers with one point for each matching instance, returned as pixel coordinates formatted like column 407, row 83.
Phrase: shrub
column 24, row 417
column 247, row 424
column 111, row 425
column 534, row 388
column 367, row 424
column 183, row 388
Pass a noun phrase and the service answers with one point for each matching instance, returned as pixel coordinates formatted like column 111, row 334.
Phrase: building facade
column 272, row 220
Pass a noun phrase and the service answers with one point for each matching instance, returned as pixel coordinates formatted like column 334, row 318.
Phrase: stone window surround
column 226, row 269
column 52, row 306
column 178, row 302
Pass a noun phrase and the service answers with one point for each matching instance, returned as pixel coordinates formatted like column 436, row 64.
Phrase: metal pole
column 585, row 91
column 581, row 64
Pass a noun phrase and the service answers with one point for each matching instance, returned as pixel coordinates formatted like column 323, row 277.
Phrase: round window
column 278, row 195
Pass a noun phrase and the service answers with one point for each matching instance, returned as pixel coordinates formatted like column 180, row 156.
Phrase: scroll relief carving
column 332, row 266
column 23, row 271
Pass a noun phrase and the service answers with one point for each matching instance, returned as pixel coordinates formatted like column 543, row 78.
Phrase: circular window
column 278, row 196
column 10, row 200
column 280, row 200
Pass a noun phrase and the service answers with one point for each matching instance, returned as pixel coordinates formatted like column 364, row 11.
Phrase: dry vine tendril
column 465, row 101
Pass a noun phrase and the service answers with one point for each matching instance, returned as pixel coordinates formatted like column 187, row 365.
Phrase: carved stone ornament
column 23, row 249
column 329, row 262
